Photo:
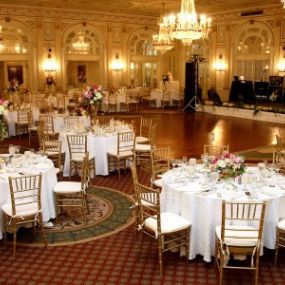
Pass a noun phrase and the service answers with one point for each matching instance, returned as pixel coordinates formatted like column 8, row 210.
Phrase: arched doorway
column 144, row 67
column 253, row 51
column 17, row 54
column 83, row 56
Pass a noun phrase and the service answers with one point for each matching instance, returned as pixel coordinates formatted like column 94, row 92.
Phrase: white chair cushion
column 24, row 210
column 122, row 154
column 158, row 183
column 143, row 147
column 80, row 156
column 239, row 236
column 281, row 225
column 141, row 139
column 65, row 187
column 170, row 222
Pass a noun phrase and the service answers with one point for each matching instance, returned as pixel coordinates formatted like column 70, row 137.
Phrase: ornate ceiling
column 143, row 7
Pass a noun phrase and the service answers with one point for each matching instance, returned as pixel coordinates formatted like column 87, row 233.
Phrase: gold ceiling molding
column 52, row 13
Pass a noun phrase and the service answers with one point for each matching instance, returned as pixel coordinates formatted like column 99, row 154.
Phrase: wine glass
column 174, row 163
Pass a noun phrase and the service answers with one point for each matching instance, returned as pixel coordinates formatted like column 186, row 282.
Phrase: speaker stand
column 196, row 100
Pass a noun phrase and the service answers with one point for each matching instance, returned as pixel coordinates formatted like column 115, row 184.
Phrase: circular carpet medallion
column 110, row 211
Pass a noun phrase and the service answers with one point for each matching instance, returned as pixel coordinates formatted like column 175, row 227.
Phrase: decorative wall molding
column 16, row 11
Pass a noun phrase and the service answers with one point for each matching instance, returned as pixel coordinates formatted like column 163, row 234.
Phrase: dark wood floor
column 186, row 133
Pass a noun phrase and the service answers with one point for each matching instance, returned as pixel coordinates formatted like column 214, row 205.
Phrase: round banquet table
column 189, row 196
column 49, row 179
column 98, row 144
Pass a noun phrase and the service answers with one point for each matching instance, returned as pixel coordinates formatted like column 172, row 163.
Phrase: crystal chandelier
column 187, row 25
column 81, row 46
column 162, row 41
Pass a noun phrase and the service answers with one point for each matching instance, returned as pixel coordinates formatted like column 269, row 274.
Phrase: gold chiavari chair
column 280, row 239
column 22, row 124
column 170, row 230
column 32, row 128
column 72, row 121
column 53, row 150
column 69, row 194
column 160, row 163
column 25, row 207
column 239, row 234
column 112, row 103
column 145, row 131
column 166, row 99
column 77, row 145
column 48, row 124
column 214, row 150
column 123, row 153
column 102, row 120
column 143, row 151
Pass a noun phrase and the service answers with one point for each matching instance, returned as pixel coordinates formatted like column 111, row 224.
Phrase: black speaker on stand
column 191, row 85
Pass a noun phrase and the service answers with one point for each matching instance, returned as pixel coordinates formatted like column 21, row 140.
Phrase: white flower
column 2, row 108
column 98, row 95
column 91, row 102
column 221, row 163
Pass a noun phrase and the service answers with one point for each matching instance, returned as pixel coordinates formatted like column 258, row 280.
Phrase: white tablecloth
column 49, row 179
column 157, row 95
column 12, row 118
column 184, row 197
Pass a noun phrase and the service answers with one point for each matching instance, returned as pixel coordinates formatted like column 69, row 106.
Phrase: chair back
column 135, row 179
column 145, row 128
column 160, row 161
column 52, row 148
column 23, row 116
column 102, row 120
column 85, row 178
column 126, row 142
column 47, row 123
column 77, row 145
column 149, row 204
column 25, row 193
column 134, row 121
column 248, row 215
column 215, row 149
column 71, row 121
column 152, row 135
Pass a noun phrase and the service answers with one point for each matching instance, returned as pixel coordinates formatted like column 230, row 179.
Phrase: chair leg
column 40, row 221
column 277, row 248
column 256, row 268
column 221, row 268
column 187, row 244
column 118, row 165
column 160, row 254
column 14, row 237
column 84, row 207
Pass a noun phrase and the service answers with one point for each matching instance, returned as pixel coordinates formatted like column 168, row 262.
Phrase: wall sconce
column 117, row 64
column 281, row 64
column 220, row 65
column 50, row 65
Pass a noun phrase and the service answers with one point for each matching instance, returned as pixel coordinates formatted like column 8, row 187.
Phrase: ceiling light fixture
column 50, row 64
column 187, row 26
column 162, row 41
column 81, row 46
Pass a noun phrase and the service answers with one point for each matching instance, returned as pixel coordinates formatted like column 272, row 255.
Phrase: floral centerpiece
column 13, row 86
column 228, row 165
column 4, row 104
column 92, row 96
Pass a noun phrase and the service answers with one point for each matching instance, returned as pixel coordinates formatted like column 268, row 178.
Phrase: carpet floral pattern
column 110, row 212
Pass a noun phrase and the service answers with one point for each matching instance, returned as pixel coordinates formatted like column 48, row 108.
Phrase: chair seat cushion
column 80, row 156
column 24, row 210
column 142, row 147
column 239, row 235
column 170, row 222
column 122, row 154
column 66, row 187
column 281, row 225
column 158, row 183
column 142, row 139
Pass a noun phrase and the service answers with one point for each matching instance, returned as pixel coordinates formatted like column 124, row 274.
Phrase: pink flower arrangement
column 228, row 165
column 92, row 95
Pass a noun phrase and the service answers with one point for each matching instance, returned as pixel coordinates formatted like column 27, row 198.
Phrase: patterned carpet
column 109, row 212
column 114, row 259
